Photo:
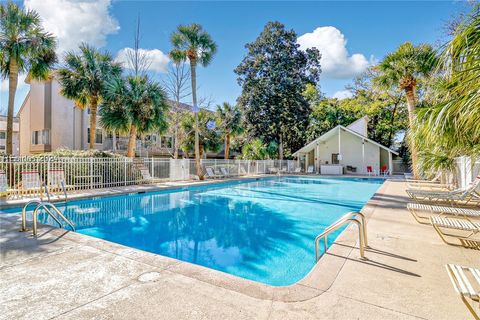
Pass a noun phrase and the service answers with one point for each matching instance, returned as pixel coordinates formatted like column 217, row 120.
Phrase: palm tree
column 136, row 105
column 24, row 48
column 83, row 80
column 402, row 68
column 208, row 139
column 229, row 119
column 195, row 44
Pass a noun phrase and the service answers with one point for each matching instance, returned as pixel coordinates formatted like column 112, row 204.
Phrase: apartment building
column 3, row 135
column 49, row 121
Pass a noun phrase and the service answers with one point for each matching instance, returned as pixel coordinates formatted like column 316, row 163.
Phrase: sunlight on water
column 260, row 230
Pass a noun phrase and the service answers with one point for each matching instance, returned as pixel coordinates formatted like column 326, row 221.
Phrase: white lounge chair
column 31, row 183
column 225, row 172
column 454, row 196
column 3, row 181
column 466, row 282
column 430, row 210
column 242, row 170
column 211, row 174
column 298, row 170
column 310, row 169
column 466, row 231
column 272, row 170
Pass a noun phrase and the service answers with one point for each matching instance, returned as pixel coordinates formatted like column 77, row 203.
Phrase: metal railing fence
column 32, row 176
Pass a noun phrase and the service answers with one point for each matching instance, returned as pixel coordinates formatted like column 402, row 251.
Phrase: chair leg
column 470, row 308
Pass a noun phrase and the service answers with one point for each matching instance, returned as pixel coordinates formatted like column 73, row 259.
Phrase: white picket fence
column 31, row 176
column 467, row 170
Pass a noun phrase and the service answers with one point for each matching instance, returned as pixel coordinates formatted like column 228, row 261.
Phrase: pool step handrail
column 47, row 206
column 345, row 219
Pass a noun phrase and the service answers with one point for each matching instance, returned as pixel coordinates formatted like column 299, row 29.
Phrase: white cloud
column 157, row 60
column 336, row 61
column 76, row 21
column 21, row 83
column 342, row 94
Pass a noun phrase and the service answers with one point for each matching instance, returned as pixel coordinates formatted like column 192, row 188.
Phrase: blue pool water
column 262, row 230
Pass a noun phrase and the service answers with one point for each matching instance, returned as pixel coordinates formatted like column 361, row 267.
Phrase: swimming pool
column 262, row 230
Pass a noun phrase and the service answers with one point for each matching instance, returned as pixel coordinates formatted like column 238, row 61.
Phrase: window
column 335, row 159
column 2, row 147
column 98, row 136
column 3, row 135
column 41, row 137
column 166, row 142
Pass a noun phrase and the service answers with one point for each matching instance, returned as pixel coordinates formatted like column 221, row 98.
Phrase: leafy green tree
column 209, row 139
column 402, row 69
column 135, row 105
column 24, row 48
column 229, row 121
column 273, row 76
column 83, row 78
column 257, row 150
column 192, row 43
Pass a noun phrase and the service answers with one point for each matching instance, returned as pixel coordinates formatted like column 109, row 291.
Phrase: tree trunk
column 410, row 95
column 114, row 141
column 280, row 148
column 227, row 146
column 390, row 134
column 93, row 122
column 202, row 150
column 175, row 142
column 12, row 89
column 132, row 139
column 193, row 76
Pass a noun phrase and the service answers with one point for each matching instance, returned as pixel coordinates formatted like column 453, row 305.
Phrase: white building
column 346, row 150
column 3, row 135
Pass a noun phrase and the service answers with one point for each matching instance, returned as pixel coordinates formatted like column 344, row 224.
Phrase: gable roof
column 329, row 133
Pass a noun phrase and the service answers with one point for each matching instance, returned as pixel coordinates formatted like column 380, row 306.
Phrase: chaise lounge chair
column 310, row 169
column 466, row 281
column 460, row 195
column 415, row 208
column 31, row 183
column 225, row 172
column 3, row 182
column 466, row 231
column 211, row 174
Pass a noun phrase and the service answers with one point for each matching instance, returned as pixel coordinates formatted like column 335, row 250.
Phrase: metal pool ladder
column 47, row 206
column 347, row 218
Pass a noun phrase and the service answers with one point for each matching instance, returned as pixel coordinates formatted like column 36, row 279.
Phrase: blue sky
column 350, row 35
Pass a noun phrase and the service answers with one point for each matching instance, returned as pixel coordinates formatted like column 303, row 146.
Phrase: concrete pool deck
column 63, row 274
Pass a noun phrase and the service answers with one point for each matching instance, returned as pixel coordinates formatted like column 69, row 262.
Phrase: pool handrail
column 345, row 219
column 45, row 206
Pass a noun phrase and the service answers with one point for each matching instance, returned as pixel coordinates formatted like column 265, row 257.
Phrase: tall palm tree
column 136, row 105
column 24, row 48
column 83, row 78
column 208, row 139
column 195, row 44
column 229, row 119
column 402, row 68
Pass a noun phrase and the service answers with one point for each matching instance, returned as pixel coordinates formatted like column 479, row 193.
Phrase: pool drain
column 149, row 277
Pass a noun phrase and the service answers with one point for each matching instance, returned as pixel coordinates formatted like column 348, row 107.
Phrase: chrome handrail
column 347, row 218
column 44, row 205
column 24, row 213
